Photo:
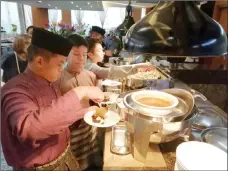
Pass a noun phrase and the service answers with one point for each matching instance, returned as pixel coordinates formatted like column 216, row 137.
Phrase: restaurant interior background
column 16, row 16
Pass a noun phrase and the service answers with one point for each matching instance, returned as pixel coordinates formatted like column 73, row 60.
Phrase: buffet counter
column 211, row 83
column 159, row 157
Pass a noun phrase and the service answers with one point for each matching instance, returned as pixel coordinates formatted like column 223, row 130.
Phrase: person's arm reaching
column 116, row 72
column 100, row 72
column 31, row 123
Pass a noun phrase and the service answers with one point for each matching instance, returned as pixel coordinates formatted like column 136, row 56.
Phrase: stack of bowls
column 195, row 155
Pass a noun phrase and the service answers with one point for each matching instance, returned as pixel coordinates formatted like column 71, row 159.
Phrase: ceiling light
column 56, row 8
column 88, row 3
column 72, row 2
column 49, row 5
column 91, row 6
column 76, row 5
column 80, row 8
column 39, row 1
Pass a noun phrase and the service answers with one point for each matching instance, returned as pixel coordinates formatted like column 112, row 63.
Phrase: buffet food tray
column 162, row 80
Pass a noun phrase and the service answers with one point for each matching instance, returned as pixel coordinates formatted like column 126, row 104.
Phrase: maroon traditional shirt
column 35, row 119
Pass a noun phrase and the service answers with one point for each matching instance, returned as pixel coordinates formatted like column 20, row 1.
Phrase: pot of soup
column 165, row 112
column 155, row 103
column 168, row 116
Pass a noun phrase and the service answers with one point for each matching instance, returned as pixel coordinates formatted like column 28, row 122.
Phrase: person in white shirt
column 96, row 54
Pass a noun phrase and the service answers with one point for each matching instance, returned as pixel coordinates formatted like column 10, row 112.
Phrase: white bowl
column 153, row 110
column 111, row 83
column 195, row 155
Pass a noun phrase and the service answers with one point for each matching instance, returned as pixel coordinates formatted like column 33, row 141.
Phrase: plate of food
column 102, row 117
column 109, row 98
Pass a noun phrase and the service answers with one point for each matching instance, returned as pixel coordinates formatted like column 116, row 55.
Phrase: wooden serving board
column 127, row 162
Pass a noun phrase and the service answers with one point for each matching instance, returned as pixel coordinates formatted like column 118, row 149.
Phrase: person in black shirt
column 14, row 63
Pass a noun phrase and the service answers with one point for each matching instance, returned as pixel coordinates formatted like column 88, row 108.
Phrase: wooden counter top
column 164, row 155
column 160, row 157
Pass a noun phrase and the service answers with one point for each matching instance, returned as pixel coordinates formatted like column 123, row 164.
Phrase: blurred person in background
column 113, row 43
column 29, row 30
column 98, row 34
column 14, row 63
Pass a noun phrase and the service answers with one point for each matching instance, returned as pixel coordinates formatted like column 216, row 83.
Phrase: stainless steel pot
column 207, row 118
column 120, row 104
column 161, row 131
column 145, row 129
column 184, row 122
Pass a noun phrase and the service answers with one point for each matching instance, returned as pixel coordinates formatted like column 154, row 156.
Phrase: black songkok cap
column 98, row 30
column 51, row 41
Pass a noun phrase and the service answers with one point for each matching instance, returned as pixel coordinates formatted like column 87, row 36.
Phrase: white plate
column 195, row 155
column 112, row 98
column 111, row 83
column 111, row 119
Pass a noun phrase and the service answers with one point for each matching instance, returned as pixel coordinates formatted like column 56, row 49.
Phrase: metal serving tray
column 164, row 82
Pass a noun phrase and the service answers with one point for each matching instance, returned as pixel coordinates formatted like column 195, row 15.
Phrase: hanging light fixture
column 128, row 21
column 177, row 28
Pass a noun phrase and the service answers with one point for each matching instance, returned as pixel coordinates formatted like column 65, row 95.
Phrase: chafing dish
column 207, row 118
column 145, row 129
column 196, row 135
column 120, row 104
column 163, row 82
column 112, row 86
column 216, row 136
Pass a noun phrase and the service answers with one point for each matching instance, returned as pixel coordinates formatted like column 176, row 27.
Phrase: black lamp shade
column 124, row 27
column 177, row 28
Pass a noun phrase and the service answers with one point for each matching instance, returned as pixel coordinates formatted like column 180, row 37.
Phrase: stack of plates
column 195, row 155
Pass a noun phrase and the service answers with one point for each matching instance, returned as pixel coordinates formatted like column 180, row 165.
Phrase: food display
column 148, row 75
column 156, row 78
column 100, row 115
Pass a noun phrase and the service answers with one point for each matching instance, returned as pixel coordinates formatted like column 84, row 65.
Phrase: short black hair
column 34, row 51
column 30, row 27
column 77, row 40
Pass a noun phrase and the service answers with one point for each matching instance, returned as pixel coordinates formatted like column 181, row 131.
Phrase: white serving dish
column 195, row 155
column 162, row 111
column 111, row 83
